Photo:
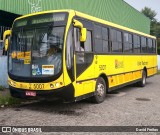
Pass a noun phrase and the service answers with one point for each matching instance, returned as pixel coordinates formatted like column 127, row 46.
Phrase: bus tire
column 142, row 82
column 100, row 91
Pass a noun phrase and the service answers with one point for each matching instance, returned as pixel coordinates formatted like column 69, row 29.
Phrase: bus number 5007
column 38, row 86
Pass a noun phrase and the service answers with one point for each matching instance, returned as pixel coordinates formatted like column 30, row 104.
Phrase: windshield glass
column 36, row 52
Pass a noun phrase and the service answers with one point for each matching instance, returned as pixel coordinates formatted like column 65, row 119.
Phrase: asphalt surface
column 129, row 106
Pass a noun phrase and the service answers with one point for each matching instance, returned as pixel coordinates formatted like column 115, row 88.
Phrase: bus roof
column 92, row 19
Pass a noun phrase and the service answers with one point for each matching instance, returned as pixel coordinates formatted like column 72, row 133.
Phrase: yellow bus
column 73, row 56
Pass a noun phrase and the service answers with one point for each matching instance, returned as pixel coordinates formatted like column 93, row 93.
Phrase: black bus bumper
column 66, row 93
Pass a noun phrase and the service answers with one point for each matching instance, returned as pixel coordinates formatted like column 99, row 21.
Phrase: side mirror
column 83, row 30
column 83, row 35
column 6, row 44
column 6, row 35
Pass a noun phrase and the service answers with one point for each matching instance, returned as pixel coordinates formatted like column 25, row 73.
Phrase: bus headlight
column 57, row 84
column 12, row 83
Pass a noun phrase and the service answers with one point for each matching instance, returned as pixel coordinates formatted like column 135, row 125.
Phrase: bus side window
column 144, row 44
column 149, row 45
column 88, row 44
column 153, row 46
column 78, row 45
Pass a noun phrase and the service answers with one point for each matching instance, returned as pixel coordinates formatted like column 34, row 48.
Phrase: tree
column 151, row 14
column 155, row 25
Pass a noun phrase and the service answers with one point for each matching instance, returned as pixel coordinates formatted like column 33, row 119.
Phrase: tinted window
column 154, row 46
column 150, row 49
column 116, row 37
column 87, row 44
column 113, row 35
column 98, row 32
column 105, row 33
column 98, row 45
column 144, row 45
column 105, row 38
column 115, row 47
column 128, row 43
column 119, row 36
column 126, row 37
column 105, row 46
column 137, row 44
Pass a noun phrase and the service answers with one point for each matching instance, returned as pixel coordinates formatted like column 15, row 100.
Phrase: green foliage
column 155, row 26
column 151, row 14
column 158, row 72
column 158, row 42
column 1, row 88
column 7, row 100
column 158, row 51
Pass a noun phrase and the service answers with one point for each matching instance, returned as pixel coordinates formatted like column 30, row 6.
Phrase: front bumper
column 66, row 93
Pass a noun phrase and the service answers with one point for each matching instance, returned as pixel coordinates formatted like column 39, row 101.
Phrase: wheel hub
column 100, row 89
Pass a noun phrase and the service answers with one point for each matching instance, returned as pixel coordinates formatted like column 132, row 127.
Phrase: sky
column 140, row 4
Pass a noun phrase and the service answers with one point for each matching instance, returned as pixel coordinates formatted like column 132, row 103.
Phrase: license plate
column 30, row 93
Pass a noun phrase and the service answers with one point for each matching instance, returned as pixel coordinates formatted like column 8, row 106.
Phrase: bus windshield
column 36, row 52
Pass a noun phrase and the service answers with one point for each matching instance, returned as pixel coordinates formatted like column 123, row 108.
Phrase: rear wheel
column 100, row 91
column 142, row 82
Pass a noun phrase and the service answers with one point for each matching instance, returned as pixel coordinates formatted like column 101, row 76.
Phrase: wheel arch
column 145, row 69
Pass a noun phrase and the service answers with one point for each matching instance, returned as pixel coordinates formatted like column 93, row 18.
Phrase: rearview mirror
column 6, row 33
column 83, row 34
column 6, row 36
column 6, row 44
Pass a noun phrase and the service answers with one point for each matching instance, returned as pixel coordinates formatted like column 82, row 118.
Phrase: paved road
column 129, row 106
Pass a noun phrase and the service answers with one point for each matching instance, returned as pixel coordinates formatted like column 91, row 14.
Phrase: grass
column 6, row 99
column 158, row 72
column 1, row 88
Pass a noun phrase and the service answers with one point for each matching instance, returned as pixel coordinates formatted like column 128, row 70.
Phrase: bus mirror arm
column 83, row 34
column 5, row 39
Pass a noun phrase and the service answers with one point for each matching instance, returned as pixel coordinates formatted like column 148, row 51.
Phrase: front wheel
column 100, row 91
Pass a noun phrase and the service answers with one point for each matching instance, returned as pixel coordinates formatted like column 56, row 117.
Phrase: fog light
column 51, row 85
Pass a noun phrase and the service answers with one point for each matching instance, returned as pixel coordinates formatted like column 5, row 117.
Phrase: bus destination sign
column 53, row 18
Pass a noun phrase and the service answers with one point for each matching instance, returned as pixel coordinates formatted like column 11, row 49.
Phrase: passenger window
column 77, row 40
column 150, row 49
column 128, row 43
column 98, row 45
column 105, row 33
column 116, row 37
column 98, row 39
column 98, row 32
column 154, row 46
column 105, row 41
column 143, row 45
column 137, row 47
column 88, row 43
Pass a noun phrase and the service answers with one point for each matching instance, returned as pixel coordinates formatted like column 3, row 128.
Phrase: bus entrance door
column 84, row 66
